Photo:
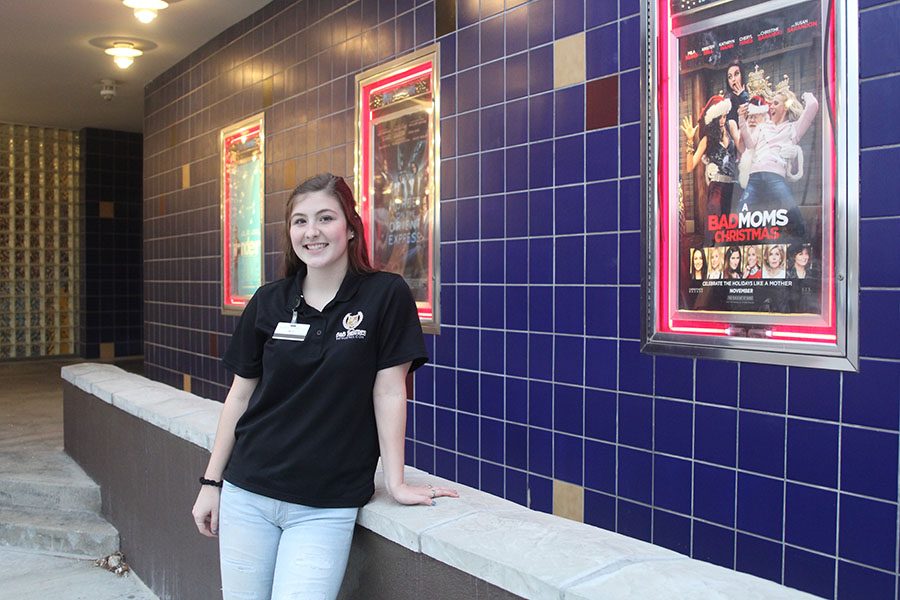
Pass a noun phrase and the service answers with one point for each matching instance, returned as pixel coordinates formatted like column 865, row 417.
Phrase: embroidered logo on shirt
column 351, row 322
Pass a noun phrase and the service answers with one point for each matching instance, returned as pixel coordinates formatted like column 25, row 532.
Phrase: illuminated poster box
column 751, row 179
column 398, row 173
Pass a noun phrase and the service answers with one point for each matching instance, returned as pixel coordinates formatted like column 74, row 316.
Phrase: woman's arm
column 206, row 508
column 735, row 134
column 389, row 396
column 810, row 109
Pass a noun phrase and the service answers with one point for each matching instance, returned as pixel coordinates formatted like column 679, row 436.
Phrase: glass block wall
column 39, row 230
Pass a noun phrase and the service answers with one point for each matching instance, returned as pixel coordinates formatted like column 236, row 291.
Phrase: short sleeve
column 400, row 336
column 245, row 350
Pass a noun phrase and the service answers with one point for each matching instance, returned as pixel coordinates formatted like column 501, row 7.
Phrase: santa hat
column 758, row 106
column 715, row 108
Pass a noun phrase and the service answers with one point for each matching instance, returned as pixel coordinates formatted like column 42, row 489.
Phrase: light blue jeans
column 269, row 549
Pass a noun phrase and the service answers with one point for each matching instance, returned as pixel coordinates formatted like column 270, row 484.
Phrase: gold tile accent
column 185, row 176
column 568, row 61
column 290, row 174
column 107, row 210
column 268, row 90
column 162, row 206
column 568, row 501
column 173, row 136
column 107, row 350
column 187, row 382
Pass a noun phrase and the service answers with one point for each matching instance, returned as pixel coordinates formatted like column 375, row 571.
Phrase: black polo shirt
column 308, row 435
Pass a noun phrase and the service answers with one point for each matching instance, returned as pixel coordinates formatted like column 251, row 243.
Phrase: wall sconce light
column 145, row 10
column 123, row 53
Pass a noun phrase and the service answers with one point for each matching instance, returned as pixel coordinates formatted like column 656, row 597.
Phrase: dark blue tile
column 629, row 92
column 516, row 208
column 424, row 385
column 600, row 410
column 569, row 110
column 570, row 260
column 517, row 122
column 568, row 409
column 540, row 159
column 601, row 204
column 467, row 346
column 445, row 464
column 630, row 150
column 516, row 175
column 540, row 452
column 569, row 209
column 492, row 126
column 568, row 458
column 541, row 493
column 714, row 544
column 600, row 510
column 406, row 32
column 517, row 29
column 601, row 359
column 540, row 116
column 874, row 236
column 540, row 67
column 600, row 466
column 635, row 474
column 672, row 484
column 636, row 368
column 491, row 92
column 870, row 396
column 540, row 256
column 630, row 198
column 809, row 572
column 761, row 443
column 673, row 430
column 855, row 581
column 636, row 421
column 602, row 264
column 516, row 486
column 715, row 435
column 467, row 391
column 760, row 505
column 448, row 136
column 492, row 302
column 876, row 198
column 675, row 377
column 467, row 48
column 492, row 350
column 516, row 446
column 810, row 518
column 491, row 440
column 602, row 52
column 869, row 463
column 540, row 308
column 569, row 157
column 671, row 531
column 467, row 174
column 628, row 7
column 763, row 387
column 467, row 433
column 517, row 307
column 758, row 557
column 467, row 471
column 714, row 494
column 879, row 45
column 493, row 175
column 467, row 219
column 424, row 418
column 516, row 353
column 814, row 393
column 717, row 382
column 540, row 212
column 600, row 317
column 492, row 217
column 445, row 428
column 569, row 359
column 517, row 76
column 812, row 452
column 540, row 22
column 540, row 404
column 630, row 269
column 877, row 132
column 599, row 13
column 634, row 520
column 445, row 382
column 868, row 532
column 491, row 39
column 468, row 87
column 602, row 154
column 492, row 479
column 879, row 323
column 630, row 312
column 569, row 17
column 517, row 400
column 517, row 262
column 629, row 43
column 424, row 457
column 467, row 305
column 425, row 26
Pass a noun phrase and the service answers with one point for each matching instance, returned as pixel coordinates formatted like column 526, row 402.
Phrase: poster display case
column 242, row 172
column 751, row 179
column 398, row 173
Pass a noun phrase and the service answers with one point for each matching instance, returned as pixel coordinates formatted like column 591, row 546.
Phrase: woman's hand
column 206, row 511
column 420, row 494
column 689, row 129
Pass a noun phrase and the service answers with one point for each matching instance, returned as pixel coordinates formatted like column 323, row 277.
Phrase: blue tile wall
column 787, row 473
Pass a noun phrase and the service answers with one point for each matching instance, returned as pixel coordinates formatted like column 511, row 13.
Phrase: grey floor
column 31, row 439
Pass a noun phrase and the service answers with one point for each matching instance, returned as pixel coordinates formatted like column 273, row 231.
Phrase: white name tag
column 295, row 332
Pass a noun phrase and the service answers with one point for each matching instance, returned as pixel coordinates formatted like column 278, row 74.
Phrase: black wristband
column 212, row 482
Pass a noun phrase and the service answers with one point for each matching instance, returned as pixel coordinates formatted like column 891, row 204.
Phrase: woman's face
column 775, row 258
column 735, row 80
column 714, row 259
column 801, row 259
column 777, row 109
column 722, row 121
column 698, row 260
column 734, row 261
column 752, row 259
column 319, row 231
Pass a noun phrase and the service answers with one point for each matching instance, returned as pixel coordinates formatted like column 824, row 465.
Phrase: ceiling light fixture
column 123, row 54
column 145, row 10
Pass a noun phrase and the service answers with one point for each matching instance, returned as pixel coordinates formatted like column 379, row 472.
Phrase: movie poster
column 753, row 234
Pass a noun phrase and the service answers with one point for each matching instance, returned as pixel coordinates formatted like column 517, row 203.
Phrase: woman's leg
column 313, row 552
column 248, row 544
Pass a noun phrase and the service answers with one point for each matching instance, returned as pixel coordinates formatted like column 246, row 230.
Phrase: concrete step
column 73, row 533
column 46, row 479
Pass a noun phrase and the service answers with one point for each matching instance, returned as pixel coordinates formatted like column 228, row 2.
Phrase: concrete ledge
column 511, row 550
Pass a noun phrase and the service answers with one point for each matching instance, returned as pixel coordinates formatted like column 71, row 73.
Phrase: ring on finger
column 433, row 493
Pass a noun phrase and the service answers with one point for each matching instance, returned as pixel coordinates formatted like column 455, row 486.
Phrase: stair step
column 47, row 479
column 73, row 533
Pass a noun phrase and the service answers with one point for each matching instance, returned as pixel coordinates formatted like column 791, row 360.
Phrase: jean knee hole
column 316, row 561
column 242, row 566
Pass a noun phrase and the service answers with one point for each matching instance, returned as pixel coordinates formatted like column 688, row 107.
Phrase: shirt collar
column 348, row 288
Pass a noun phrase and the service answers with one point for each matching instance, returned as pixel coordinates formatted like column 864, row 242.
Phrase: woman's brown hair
column 357, row 250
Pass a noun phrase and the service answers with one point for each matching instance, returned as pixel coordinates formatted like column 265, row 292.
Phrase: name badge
column 294, row 332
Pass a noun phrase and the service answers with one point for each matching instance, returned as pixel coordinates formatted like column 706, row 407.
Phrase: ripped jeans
column 269, row 549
